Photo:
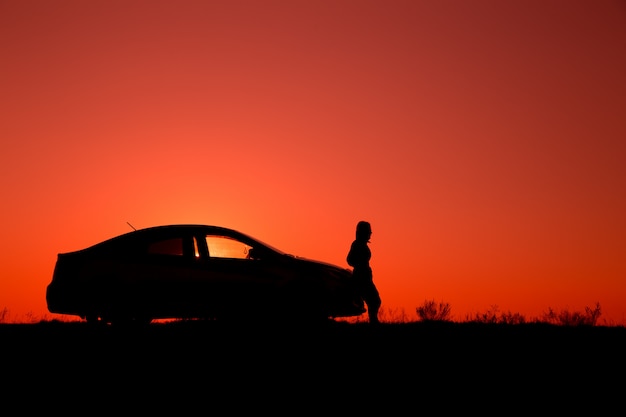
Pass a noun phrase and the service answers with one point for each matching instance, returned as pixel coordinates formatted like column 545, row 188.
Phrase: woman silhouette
column 359, row 259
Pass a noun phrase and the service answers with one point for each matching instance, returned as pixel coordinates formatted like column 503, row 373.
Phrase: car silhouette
column 192, row 271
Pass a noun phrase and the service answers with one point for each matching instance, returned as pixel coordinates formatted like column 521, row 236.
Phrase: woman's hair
column 363, row 230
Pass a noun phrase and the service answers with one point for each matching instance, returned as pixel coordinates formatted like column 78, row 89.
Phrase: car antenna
column 131, row 226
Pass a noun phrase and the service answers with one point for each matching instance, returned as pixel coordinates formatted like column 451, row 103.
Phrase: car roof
column 138, row 236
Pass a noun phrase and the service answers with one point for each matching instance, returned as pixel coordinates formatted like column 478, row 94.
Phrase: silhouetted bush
column 574, row 318
column 562, row 318
column 493, row 315
column 431, row 311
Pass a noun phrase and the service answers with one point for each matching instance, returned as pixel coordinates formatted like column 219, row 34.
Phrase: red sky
column 483, row 140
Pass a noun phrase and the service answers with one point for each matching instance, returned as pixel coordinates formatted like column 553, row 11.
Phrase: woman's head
column 363, row 230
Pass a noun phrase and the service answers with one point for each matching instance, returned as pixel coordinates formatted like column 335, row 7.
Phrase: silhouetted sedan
column 196, row 271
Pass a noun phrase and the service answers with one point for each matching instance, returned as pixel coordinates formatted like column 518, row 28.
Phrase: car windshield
column 251, row 239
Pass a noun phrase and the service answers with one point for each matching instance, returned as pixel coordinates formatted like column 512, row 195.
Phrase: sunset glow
column 483, row 140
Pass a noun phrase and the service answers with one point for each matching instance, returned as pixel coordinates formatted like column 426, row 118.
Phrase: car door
column 162, row 284
column 237, row 282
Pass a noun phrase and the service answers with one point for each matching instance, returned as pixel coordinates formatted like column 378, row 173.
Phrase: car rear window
column 167, row 247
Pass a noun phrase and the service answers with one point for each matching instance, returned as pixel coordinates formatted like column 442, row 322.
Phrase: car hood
column 313, row 263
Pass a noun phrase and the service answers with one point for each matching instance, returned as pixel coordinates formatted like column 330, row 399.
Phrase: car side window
column 226, row 247
column 167, row 247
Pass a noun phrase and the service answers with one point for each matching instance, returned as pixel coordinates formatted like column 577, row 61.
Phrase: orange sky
column 484, row 140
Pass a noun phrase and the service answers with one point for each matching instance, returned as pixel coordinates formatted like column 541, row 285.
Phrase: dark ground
column 204, row 367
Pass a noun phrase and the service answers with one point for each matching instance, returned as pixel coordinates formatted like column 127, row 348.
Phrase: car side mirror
column 253, row 254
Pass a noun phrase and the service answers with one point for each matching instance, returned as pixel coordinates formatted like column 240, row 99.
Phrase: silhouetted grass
column 428, row 311
column 432, row 311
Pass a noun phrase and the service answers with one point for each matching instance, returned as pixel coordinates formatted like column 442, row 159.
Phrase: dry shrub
column 4, row 315
column 493, row 315
column 430, row 310
column 573, row 318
